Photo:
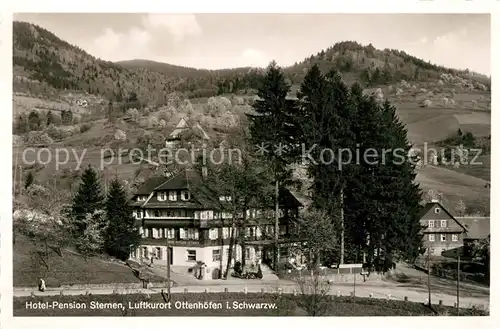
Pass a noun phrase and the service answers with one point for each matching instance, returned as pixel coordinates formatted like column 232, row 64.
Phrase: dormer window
column 185, row 195
column 225, row 198
column 172, row 196
column 141, row 198
column 162, row 196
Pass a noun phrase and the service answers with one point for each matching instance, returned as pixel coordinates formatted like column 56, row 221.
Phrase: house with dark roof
column 193, row 219
column 478, row 228
column 181, row 128
column 441, row 230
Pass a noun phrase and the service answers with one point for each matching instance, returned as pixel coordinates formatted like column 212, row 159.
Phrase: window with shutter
column 182, row 234
column 216, row 255
column 225, row 232
column 213, row 234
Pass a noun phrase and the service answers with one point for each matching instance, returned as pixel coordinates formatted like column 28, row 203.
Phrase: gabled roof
column 188, row 179
column 183, row 125
column 477, row 227
column 149, row 185
column 286, row 198
column 429, row 205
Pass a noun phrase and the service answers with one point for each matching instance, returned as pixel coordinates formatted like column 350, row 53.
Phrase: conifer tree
column 50, row 118
column 87, row 200
column 326, row 114
column 274, row 128
column 122, row 234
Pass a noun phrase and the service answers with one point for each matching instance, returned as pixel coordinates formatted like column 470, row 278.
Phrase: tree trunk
column 276, row 227
column 231, row 245
column 221, row 262
column 47, row 255
column 342, row 227
column 243, row 236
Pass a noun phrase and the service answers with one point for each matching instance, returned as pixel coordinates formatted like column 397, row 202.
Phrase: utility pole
column 21, row 180
column 276, row 228
column 342, row 228
column 458, row 282
column 168, row 263
column 354, row 273
column 429, row 273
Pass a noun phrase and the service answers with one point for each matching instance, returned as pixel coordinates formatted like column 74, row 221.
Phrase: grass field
column 224, row 305
column 454, row 185
column 480, row 170
column 69, row 269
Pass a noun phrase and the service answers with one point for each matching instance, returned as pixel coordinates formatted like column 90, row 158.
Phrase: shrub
column 133, row 114
column 54, row 132
column 153, row 122
column 85, row 127
column 259, row 273
column 38, row 137
column 120, row 135
column 165, row 114
column 238, row 268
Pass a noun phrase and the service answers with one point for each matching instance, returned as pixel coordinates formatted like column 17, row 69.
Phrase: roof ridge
column 168, row 180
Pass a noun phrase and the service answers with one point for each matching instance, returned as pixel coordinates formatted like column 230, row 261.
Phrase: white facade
column 185, row 256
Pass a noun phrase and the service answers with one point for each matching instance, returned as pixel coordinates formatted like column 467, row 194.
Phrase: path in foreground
column 362, row 290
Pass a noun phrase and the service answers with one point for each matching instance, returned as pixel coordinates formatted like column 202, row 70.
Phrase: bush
column 85, row 127
column 259, row 273
column 238, row 268
column 38, row 137
column 133, row 114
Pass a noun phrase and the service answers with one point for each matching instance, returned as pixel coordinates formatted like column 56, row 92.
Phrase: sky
column 214, row 41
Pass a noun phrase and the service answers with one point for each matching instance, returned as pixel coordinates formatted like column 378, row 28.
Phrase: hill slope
column 43, row 63
column 46, row 66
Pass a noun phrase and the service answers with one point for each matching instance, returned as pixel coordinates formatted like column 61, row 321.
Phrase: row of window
column 207, row 214
column 160, row 233
column 437, row 222
column 157, row 253
column 454, row 237
column 170, row 195
column 213, row 233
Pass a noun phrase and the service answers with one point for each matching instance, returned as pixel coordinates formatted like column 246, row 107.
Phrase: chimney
column 434, row 201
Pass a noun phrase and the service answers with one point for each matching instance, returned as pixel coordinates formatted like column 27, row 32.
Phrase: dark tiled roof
column 428, row 206
column 477, row 227
column 286, row 198
column 178, row 181
column 202, row 195
column 148, row 186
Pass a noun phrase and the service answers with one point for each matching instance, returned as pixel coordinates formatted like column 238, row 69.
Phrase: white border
column 217, row 6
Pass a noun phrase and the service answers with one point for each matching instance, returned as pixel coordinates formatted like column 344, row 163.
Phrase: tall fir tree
column 50, row 118
column 403, row 237
column 274, row 127
column 122, row 234
column 88, row 199
column 326, row 114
